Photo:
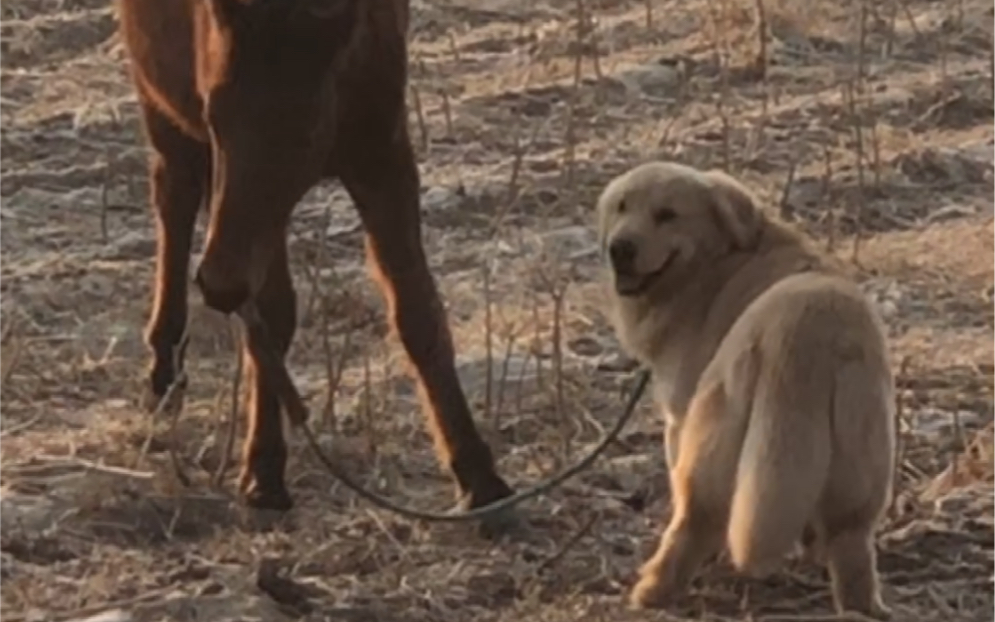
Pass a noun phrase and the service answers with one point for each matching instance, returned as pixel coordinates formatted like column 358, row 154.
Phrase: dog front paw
column 650, row 592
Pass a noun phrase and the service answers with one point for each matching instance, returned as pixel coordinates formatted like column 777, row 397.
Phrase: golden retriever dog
column 772, row 372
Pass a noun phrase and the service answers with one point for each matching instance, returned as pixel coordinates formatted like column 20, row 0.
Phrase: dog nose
column 622, row 254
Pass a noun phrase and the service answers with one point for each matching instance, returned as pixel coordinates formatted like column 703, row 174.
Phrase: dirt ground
column 879, row 144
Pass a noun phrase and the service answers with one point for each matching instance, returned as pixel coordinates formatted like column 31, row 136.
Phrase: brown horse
column 247, row 104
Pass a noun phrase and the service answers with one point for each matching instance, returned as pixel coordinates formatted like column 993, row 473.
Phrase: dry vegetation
column 869, row 124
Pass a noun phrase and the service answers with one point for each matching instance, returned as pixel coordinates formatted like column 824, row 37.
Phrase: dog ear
column 736, row 208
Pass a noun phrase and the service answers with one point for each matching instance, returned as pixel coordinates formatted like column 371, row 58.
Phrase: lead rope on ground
column 276, row 373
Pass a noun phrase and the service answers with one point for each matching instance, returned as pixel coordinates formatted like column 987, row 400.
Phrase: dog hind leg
column 859, row 485
column 852, row 567
column 783, row 468
column 701, row 484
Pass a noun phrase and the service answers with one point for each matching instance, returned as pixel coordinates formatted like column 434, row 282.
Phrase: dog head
column 660, row 220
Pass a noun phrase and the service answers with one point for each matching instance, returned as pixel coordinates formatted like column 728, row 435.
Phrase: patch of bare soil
column 871, row 129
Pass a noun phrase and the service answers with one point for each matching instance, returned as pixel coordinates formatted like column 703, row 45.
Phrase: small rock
column 947, row 165
column 130, row 245
column 29, row 512
column 618, row 362
column 957, row 502
column 885, row 295
column 516, row 369
column 940, row 424
column 805, row 196
column 585, row 346
column 653, row 79
column 439, row 198
column 572, row 242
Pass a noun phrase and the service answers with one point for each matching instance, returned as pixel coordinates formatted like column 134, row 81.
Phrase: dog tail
column 784, row 464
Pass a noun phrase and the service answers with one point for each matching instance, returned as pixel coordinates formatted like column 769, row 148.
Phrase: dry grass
column 878, row 114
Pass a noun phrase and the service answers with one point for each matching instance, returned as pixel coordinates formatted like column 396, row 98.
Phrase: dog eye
column 664, row 214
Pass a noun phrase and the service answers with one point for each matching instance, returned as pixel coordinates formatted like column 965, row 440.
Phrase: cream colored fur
column 772, row 372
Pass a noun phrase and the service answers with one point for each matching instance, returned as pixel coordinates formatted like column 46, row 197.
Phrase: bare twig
column 850, row 99
column 571, row 542
column 722, row 57
column 105, row 186
column 488, row 345
column 236, row 391
column 367, row 410
column 447, row 112
column 512, row 336
column 784, row 205
column 89, row 465
column 420, row 116
column 453, row 48
column 902, row 375
column 16, row 349
column 511, row 195
column 912, row 20
column 172, row 400
column 762, row 60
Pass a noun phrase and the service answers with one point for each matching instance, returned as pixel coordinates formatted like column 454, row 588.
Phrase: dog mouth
column 630, row 284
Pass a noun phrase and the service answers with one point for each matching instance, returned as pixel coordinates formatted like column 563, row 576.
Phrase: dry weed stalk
column 909, row 16
column 420, row 117
column 862, row 46
column 946, row 84
column 648, row 6
column 570, row 155
column 761, row 63
column 105, row 188
column 888, row 49
column 571, row 542
column 174, row 458
column 488, row 345
column 875, row 149
column 106, row 183
column 453, row 47
column 514, row 185
column 171, row 401
column 850, row 102
column 334, row 366
column 312, row 269
column 991, row 67
column 762, row 60
column 366, row 411
column 900, row 380
column 511, row 337
column 784, row 204
column 722, row 53
column 535, row 349
column 447, row 112
column 957, row 447
column 233, row 414
column 555, row 285
column 595, row 51
column 15, row 346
